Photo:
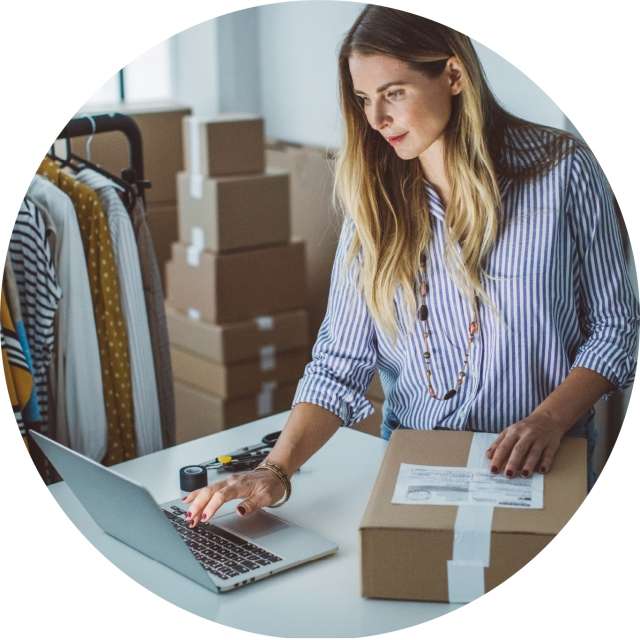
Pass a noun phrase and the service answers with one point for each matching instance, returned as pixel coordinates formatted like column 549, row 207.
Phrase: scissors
column 244, row 458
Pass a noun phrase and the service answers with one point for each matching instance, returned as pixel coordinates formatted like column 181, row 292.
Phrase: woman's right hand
column 258, row 488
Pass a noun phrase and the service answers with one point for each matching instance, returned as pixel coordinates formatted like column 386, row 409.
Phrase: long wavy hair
column 385, row 195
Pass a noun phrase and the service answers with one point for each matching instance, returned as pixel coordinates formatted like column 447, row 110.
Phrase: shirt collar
column 435, row 203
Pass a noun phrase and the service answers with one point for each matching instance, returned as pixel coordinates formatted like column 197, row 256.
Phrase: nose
column 380, row 118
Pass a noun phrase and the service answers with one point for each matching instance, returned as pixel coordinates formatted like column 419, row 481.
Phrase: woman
column 479, row 267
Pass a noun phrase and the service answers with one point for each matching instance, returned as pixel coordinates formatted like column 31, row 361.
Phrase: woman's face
column 399, row 101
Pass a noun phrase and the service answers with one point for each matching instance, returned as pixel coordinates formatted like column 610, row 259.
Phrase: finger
column 200, row 500
column 517, row 457
column 503, row 451
column 548, row 457
column 226, row 493
column 491, row 450
column 261, row 497
column 531, row 462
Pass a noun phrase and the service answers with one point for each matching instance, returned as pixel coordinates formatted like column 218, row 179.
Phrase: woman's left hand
column 526, row 446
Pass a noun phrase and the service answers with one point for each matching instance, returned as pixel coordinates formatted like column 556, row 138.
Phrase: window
column 148, row 77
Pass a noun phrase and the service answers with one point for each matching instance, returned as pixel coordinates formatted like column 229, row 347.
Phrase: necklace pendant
column 450, row 394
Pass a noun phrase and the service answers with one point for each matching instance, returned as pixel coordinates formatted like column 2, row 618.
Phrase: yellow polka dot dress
column 110, row 326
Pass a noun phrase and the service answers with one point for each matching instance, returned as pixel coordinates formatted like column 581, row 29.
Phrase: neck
column 432, row 163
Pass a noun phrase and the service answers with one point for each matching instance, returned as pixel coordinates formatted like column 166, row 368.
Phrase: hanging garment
column 110, row 328
column 31, row 411
column 143, row 379
column 16, row 369
column 154, row 299
column 76, row 380
column 39, row 293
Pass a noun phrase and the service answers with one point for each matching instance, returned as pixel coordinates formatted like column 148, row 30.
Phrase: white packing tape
column 197, row 237
column 193, row 255
column 194, row 314
column 471, row 535
column 195, row 178
column 194, row 145
column 268, row 357
column 265, row 323
column 265, row 398
column 196, row 188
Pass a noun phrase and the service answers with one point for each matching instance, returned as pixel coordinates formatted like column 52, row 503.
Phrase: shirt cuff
column 617, row 366
column 349, row 406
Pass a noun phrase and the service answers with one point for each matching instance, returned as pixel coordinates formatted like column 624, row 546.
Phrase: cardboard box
column 373, row 423
column 163, row 224
column 224, row 144
column 259, row 338
column 405, row 549
column 240, row 378
column 200, row 414
column 234, row 212
column 160, row 124
column 241, row 285
column 313, row 218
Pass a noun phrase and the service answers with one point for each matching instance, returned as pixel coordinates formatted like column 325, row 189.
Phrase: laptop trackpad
column 255, row 525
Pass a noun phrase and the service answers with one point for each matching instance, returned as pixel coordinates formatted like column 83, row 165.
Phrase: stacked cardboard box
column 235, row 282
column 160, row 124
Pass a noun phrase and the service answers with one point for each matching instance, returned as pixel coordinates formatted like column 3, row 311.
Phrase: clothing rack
column 89, row 125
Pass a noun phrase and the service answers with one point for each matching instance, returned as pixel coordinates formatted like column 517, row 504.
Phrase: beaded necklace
column 423, row 316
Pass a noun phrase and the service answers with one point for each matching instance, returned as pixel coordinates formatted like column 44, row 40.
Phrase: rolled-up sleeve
column 344, row 355
column 610, row 314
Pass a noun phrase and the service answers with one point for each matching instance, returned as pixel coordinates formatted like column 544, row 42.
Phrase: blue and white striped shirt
column 565, row 295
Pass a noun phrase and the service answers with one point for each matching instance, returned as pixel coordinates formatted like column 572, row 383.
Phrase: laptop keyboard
column 218, row 551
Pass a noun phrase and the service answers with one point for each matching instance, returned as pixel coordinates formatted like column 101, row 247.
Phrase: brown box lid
column 405, row 548
column 234, row 212
column 224, row 144
column 240, row 285
column 236, row 379
column 237, row 341
column 200, row 414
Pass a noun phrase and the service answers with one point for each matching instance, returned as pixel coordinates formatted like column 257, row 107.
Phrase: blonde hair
column 385, row 195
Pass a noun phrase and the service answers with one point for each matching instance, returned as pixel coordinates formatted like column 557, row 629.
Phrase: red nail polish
column 509, row 473
column 494, row 469
column 241, row 510
column 204, row 516
column 525, row 474
column 188, row 514
column 543, row 469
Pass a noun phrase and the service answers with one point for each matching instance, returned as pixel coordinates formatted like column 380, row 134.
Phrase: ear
column 455, row 75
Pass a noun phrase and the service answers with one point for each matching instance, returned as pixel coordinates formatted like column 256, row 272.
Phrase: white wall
column 280, row 61
column 194, row 68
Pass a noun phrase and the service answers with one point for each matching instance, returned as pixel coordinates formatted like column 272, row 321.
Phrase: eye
column 396, row 93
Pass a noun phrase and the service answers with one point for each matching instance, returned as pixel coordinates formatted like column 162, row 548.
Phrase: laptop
column 225, row 553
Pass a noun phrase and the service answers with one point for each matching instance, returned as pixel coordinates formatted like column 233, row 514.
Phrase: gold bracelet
column 277, row 471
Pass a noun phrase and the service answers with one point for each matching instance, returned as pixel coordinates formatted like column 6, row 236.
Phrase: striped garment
column 146, row 409
column 17, row 371
column 39, row 293
column 563, row 290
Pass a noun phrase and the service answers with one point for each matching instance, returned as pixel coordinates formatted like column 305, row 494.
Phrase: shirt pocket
column 522, row 246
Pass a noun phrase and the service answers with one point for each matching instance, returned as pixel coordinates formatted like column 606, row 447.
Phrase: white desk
column 320, row 598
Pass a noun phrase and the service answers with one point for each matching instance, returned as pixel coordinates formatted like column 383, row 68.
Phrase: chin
column 406, row 154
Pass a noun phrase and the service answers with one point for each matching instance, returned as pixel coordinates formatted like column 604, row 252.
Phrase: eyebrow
column 382, row 88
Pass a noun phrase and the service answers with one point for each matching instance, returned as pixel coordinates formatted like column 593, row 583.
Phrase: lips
column 394, row 139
